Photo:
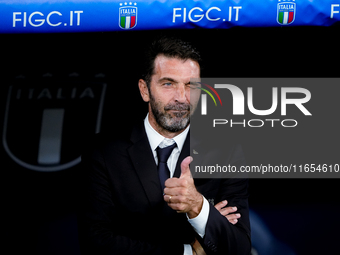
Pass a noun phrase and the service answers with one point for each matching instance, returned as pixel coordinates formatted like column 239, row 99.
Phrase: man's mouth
column 178, row 113
column 177, row 108
column 171, row 110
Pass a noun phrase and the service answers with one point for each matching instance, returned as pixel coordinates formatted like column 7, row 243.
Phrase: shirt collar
column 156, row 138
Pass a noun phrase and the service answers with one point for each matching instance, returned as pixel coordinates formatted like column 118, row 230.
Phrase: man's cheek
column 194, row 98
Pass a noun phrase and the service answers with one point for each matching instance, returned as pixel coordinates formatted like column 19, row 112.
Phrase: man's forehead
column 168, row 67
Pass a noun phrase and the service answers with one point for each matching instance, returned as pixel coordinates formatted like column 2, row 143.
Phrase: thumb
column 185, row 169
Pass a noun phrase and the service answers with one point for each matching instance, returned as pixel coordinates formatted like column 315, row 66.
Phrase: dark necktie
column 163, row 171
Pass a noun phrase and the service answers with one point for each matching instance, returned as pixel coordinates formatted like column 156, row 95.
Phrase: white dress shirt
column 155, row 139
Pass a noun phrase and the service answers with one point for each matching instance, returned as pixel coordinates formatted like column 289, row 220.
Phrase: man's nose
column 180, row 95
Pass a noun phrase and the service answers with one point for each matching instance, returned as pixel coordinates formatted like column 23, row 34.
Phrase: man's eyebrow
column 167, row 79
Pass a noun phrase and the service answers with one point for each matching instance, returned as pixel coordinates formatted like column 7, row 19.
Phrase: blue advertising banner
column 50, row 16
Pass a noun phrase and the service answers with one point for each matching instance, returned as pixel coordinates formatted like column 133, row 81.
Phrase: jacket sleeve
column 222, row 237
column 99, row 225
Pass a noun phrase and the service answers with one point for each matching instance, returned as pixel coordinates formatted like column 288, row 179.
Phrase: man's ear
column 143, row 89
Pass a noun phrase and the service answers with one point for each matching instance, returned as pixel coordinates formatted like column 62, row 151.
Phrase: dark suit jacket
column 122, row 210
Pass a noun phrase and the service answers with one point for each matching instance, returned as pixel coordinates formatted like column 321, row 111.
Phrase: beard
column 174, row 122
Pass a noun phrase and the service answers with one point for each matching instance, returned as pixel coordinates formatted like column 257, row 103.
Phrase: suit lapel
column 146, row 168
column 184, row 153
column 144, row 163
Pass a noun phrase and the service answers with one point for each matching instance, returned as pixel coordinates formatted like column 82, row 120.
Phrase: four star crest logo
column 286, row 12
column 128, row 15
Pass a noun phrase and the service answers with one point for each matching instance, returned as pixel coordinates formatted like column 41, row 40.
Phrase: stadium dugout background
column 70, row 70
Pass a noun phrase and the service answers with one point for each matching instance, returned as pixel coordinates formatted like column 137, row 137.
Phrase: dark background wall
column 40, row 206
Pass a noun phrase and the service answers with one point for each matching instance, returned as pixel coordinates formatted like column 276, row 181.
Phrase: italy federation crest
column 46, row 122
column 286, row 12
column 128, row 15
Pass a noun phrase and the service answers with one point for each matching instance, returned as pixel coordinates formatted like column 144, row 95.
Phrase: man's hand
column 228, row 212
column 197, row 248
column 181, row 193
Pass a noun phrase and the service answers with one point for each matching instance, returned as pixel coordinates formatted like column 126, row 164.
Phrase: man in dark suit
column 139, row 196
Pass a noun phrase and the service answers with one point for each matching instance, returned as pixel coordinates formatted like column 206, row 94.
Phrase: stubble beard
column 174, row 122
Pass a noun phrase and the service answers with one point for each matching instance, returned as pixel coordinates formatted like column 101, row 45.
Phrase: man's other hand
column 197, row 248
column 228, row 212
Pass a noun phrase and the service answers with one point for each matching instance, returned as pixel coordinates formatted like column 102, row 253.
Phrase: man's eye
column 194, row 85
column 167, row 84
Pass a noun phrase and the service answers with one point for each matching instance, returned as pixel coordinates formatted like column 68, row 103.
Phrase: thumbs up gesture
column 181, row 193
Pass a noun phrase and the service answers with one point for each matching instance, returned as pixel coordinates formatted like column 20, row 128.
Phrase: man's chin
column 177, row 125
